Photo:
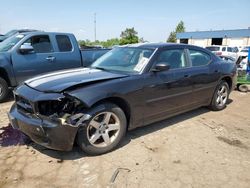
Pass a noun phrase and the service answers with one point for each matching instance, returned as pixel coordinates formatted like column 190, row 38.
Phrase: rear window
column 213, row 48
column 199, row 58
column 63, row 43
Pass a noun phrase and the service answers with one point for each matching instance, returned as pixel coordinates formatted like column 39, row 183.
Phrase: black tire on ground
column 4, row 90
column 214, row 105
column 243, row 88
column 84, row 131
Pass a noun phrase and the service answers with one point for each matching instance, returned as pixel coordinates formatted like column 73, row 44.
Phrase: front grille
column 24, row 105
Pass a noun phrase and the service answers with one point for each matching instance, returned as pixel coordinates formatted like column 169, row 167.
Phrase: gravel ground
column 200, row 148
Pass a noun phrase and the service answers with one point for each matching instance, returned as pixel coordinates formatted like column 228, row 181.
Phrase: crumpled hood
column 62, row 80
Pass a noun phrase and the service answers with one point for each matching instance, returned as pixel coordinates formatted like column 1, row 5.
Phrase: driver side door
column 39, row 61
column 168, row 92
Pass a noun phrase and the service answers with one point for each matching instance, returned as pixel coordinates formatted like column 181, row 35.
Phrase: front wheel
column 220, row 97
column 104, row 131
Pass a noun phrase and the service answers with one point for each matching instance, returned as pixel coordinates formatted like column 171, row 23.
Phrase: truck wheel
column 220, row 97
column 4, row 90
column 104, row 131
column 243, row 88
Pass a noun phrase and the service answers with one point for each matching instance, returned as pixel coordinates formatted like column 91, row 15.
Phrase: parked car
column 14, row 32
column 223, row 50
column 126, row 88
column 228, row 59
column 25, row 55
column 243, row 53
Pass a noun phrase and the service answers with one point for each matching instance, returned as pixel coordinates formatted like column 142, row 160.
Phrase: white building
column 238, row 37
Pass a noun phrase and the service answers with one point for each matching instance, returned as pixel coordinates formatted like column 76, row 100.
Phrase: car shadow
column 12, row 137
column 76, row 152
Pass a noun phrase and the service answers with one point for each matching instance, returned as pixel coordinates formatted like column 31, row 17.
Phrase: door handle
column 186, row 76
column 50, row 58
column 216, row 71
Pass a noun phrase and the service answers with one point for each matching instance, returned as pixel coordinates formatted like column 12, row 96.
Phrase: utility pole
column 95, row 25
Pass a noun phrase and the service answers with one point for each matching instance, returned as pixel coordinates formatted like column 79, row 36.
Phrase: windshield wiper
column 100, row 68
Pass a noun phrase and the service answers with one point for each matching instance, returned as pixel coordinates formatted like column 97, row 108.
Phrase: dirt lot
column 197, row 149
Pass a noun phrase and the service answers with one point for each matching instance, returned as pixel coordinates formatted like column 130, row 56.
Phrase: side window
column 235, row 49
column 199, row 58
column 224, row 49
column 175, row 58
column 229, row 49
column 63, row 43
column 41, row 44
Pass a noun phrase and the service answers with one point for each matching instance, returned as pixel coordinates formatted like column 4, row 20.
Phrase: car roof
column 44, row 33
column 155, row 45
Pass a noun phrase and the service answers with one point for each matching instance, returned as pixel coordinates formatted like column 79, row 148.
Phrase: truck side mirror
column 26, row 48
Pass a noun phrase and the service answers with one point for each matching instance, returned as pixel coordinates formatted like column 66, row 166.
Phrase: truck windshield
column 10, row 33
column 213, row 48
column 124, row 59
column 7, row 44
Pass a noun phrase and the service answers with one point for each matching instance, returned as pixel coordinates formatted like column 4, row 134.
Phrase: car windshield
column 213, row 48
column 10, row 42
column 244, row 50
column 10, row 33
column 124, row 59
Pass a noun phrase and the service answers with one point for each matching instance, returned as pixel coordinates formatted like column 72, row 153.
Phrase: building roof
column 237, row 33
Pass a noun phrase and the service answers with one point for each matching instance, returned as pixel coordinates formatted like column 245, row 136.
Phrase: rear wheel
column 104, row 131
column 4, row 90
column 220, row 97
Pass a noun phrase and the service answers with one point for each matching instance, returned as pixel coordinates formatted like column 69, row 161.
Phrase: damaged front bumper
column 54, row 133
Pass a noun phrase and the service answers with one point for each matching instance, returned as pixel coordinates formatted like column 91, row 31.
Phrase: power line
column 95, row 25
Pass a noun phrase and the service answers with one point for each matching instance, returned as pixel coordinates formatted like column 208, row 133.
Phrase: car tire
column 243, row 88
column 220, row 97
column 4, row 90
column 103, row 131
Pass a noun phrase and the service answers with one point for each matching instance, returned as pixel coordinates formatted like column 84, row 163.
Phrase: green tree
column 172, row 37
column 179, row 29
column 129, row 36
column 111, row 42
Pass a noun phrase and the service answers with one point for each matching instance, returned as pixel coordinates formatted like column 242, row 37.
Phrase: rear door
column 67, row 54
column 34, row 63
column 168, row 92
column 204, row 77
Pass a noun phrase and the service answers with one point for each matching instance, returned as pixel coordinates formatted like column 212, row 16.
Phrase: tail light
column 218, row 53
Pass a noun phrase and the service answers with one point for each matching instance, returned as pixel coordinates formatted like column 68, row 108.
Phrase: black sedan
column 129, row 87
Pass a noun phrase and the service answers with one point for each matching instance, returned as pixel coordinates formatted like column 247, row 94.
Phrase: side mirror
column 26, row 48
column 161, row 66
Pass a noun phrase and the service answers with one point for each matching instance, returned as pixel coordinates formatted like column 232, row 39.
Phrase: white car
column 244, row 51
column 223, row 50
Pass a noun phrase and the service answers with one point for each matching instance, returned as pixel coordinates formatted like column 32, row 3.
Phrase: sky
column 153, row 20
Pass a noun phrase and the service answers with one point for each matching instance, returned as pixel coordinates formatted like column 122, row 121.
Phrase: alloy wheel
column 103, row 129
column 222, row 95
